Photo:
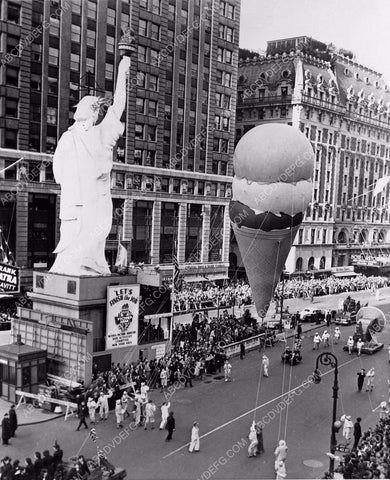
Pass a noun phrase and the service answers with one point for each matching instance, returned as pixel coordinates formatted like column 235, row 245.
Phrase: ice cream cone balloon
column 272, row 187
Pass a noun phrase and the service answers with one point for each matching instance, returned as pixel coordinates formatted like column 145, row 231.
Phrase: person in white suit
column 195, row 440
column 103, row 404
column 164, row 414
column 347, row 428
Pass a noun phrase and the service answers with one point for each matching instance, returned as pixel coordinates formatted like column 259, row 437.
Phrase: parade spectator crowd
column 371, row 459
column 207, row 295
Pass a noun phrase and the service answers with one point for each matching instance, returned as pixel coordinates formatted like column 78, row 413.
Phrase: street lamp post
column 327, row 358
column 281, row 304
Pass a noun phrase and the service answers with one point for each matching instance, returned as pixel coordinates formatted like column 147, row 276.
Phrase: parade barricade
column 71, row 408
column 249, row 343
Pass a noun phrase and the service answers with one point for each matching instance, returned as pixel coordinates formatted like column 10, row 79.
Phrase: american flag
column 93, row 435
column 177, row 277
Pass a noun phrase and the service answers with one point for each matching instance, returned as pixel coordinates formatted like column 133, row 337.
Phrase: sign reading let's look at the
column 9, row 279
column 122, row 316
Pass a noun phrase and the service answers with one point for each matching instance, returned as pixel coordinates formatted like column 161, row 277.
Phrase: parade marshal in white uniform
column 82, row 165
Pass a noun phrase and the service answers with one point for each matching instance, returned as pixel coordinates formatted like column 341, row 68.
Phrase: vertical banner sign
column 122, row 316
column 9, row 279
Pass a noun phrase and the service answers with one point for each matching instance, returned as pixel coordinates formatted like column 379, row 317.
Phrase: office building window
column 76, row 6
column 35, row 82
column 125, row 21
column 111, row 16
column 12, row 42
column 54, row 27
column 110, row 44
column 53, row 56
column 91, row 38
column 92, row 8
column 13, row 13
column 154, row 56
column 36, row 52
column 155, row 31
column 150, row 160
column 139, row 131
column 143, row 27
column 138, row 154
column 51, row 116
column 142, row 54
column 140, row 105
column 35, row 112
column 141, row 80
column 109, row 71
column 90, row 65
column 153, row 82
column 11, row 107
column 168, row 232
column 75, row 61
column 12, row 76
column 11, row 138
column 76, row 34
column 156, row 7
column 152, row 108
column 52, row 83
column 152, row 133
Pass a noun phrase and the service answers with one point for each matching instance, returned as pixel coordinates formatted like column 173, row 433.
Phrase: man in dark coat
column 170, row 426
column 82, row 414
column 13, row 420
column 57, row 454
column 299, row 330
column 357, row 433
column 361, row 375
column 5, row 429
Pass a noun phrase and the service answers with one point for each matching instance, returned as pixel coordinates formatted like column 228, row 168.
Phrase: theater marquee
column 9, row 279
column 122, row 316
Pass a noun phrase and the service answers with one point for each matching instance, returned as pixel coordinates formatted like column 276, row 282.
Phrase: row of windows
column 227, row 10
column 168, row 185
column 149, row 29
column 224, row 55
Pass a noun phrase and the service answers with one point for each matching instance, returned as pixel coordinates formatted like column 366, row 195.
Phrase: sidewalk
column 27, row 414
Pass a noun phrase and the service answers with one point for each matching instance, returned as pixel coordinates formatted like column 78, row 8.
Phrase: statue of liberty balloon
column 82, row 165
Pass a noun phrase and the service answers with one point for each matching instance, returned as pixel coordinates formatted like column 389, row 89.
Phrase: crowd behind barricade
column 208, row 295
column 371, row 458
column 198, row 297
column 298, row 288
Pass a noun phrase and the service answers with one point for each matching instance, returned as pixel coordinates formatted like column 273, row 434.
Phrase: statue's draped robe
column 82, row 164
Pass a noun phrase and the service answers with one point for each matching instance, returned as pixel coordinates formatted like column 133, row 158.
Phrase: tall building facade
column 172, row 168
column 343, row 107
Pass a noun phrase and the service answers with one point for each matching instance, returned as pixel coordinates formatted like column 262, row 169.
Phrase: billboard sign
column 9, row 279
column 122, row 316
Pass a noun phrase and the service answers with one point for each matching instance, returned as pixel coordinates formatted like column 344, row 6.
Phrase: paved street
column 224, row 412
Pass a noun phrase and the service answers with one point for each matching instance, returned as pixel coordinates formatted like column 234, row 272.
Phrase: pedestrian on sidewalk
column 316, row 341
column 337, row 335
column 370, row 380
column 357, row 433
column 82, row 413
column 150, row 410
column 170, row 426
column 325, row 338
column 164, row 414
column 359, row 346
column 350, row 344
column 360, row 381
column 265, row 363
column 119, row 414
column 5, row 429
column 242, row 350
column 195, row 441
column 252, row 449
column 347, row 428
column 227, row 368
column 13, row 420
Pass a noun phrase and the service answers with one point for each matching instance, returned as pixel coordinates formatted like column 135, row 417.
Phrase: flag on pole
column 177, row 277
column 93, row 435
column 381, row 183
column 121, row 257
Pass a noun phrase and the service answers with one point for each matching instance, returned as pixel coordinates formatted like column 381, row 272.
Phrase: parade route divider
column 70, row 407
